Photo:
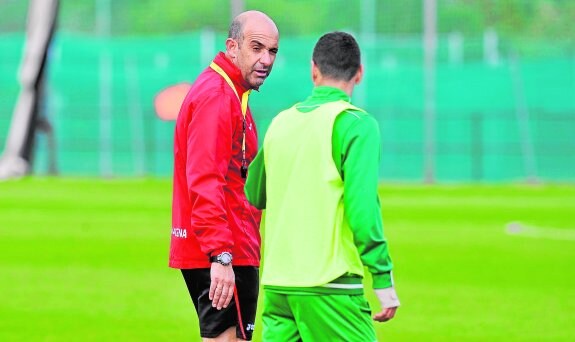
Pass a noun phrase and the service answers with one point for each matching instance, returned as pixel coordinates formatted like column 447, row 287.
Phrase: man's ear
column 232, row 48
column 315, row 74
column 358, row 75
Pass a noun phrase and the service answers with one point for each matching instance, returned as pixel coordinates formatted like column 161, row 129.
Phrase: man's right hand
column 389, row 304
column 222, row 285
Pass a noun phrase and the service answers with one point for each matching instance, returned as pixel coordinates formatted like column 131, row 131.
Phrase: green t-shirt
column 356, row 154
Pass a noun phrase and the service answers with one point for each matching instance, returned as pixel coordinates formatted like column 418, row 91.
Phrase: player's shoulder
column 356, row 116
column 356, row 123
column 356, row 113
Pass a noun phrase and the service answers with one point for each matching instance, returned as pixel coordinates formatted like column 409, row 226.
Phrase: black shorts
column 213, row 322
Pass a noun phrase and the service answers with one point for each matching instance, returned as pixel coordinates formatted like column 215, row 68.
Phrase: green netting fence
column 497, row 119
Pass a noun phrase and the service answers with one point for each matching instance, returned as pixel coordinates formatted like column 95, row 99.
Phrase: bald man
column 215, row 231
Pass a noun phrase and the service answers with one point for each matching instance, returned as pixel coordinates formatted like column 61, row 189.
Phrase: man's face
column 256, row 52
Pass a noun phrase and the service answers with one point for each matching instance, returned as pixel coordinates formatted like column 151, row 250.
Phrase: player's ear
column 358, row 75
column 232, row 48
column 315, row 73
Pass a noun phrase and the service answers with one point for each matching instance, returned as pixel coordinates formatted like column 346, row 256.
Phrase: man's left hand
column 222, row 285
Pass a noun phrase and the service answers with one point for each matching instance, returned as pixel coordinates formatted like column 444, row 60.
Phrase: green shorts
column 316, row 317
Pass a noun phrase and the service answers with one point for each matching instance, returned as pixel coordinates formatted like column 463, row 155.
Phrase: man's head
column 336, row 59
column 252, row 46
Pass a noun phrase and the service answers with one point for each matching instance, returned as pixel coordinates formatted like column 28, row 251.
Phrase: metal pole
column 236, row 7
column 455, row 48
column 136, row 116
column 368, row 12
column 429, row 48
column 103, row 26
column 490, row 47
column 523, row 121
column 207, row 45
column 16, row 161
column 367, row 36
column 477, row 146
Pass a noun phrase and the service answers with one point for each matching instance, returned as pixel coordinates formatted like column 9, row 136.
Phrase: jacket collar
column 233, row 73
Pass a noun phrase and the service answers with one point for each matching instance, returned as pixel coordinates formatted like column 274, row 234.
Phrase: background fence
column 503, row 111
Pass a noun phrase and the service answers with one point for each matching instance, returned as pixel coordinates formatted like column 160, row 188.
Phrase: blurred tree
column 542, row 19
column 13, row 14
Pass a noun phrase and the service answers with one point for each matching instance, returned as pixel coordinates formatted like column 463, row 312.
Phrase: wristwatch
column 224, row 258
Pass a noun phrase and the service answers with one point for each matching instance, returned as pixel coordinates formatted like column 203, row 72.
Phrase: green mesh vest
column 307, row 241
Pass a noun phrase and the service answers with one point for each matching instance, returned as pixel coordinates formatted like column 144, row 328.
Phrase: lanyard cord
column 244, row 106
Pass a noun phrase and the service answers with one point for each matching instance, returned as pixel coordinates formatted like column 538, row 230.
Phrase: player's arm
column 360, row 171
column 255, row 187
column 360, row 158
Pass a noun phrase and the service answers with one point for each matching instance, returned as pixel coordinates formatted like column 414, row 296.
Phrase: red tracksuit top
column 210, row 212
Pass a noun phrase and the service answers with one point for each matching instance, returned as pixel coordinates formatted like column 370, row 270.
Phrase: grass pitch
column 86, row 259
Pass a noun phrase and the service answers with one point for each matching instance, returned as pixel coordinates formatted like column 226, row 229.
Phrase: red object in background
column 168, row 101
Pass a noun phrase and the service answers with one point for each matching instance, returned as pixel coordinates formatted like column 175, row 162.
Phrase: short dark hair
column 337, row 56
column 235, row 31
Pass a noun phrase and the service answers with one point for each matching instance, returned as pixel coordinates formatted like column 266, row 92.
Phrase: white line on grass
column 520, row 229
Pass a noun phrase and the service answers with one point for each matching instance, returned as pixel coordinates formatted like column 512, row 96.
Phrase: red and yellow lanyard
column 244, row 106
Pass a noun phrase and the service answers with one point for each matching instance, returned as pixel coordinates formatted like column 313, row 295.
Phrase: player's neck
column 345, row 86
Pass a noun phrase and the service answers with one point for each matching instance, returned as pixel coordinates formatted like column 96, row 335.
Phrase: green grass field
column 86, row 260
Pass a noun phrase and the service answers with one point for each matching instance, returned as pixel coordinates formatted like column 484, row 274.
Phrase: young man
column 317, row 178
column 213, row 226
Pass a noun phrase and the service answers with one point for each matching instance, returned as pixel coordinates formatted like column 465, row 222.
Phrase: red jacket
column 210, row 213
